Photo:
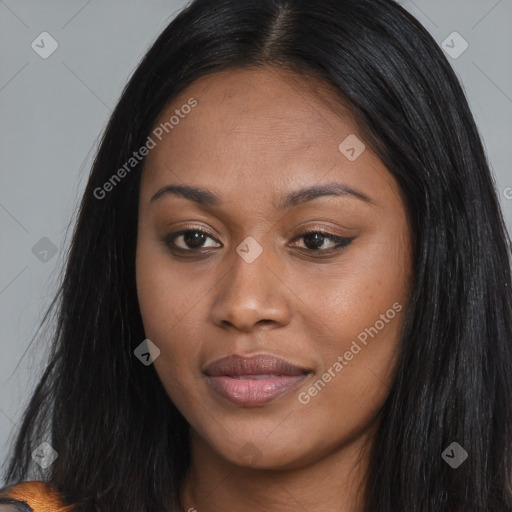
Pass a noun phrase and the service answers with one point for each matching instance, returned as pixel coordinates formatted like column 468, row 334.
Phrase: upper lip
column 236, row 366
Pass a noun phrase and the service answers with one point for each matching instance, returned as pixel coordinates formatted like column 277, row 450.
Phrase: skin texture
column 254, row 136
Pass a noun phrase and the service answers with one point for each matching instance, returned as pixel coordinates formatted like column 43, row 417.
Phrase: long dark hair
column 122, row 444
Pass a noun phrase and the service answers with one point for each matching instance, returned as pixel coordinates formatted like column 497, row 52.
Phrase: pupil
column 317, row 239
column 194, row 238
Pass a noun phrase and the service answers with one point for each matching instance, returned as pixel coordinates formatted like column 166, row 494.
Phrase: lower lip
column 251, row 392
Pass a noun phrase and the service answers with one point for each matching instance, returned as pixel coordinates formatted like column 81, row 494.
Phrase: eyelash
column 340, row 241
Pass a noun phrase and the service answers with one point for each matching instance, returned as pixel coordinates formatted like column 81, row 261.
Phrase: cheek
column 371, row 278
column 166, row 299
column 358, row 353
column 167, row 326
column 359, row 313
column 169, row 307
column 162, row 303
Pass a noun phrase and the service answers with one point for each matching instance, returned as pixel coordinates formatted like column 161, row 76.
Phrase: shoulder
column 32, row 496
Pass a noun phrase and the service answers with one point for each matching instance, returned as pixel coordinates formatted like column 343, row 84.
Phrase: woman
column 289, row 284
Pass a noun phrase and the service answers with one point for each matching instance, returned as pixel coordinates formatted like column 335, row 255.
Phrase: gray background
column 54, row 110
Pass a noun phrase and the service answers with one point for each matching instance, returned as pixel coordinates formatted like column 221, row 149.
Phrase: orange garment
column 40, row 496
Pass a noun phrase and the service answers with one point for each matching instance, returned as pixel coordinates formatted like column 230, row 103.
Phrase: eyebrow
column 207, row 198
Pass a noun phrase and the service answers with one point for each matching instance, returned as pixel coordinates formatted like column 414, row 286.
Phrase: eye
column 314, row 241
column 191, row 239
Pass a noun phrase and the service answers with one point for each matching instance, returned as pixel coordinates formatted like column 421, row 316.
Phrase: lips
column 240, row 366
column 255, row 380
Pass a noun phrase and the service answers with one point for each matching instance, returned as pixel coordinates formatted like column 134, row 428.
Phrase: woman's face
column 273, row 161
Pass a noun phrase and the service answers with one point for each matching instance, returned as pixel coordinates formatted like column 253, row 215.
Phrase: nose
column 251, row 294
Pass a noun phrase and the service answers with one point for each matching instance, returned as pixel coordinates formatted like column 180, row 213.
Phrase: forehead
column 258, row 128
